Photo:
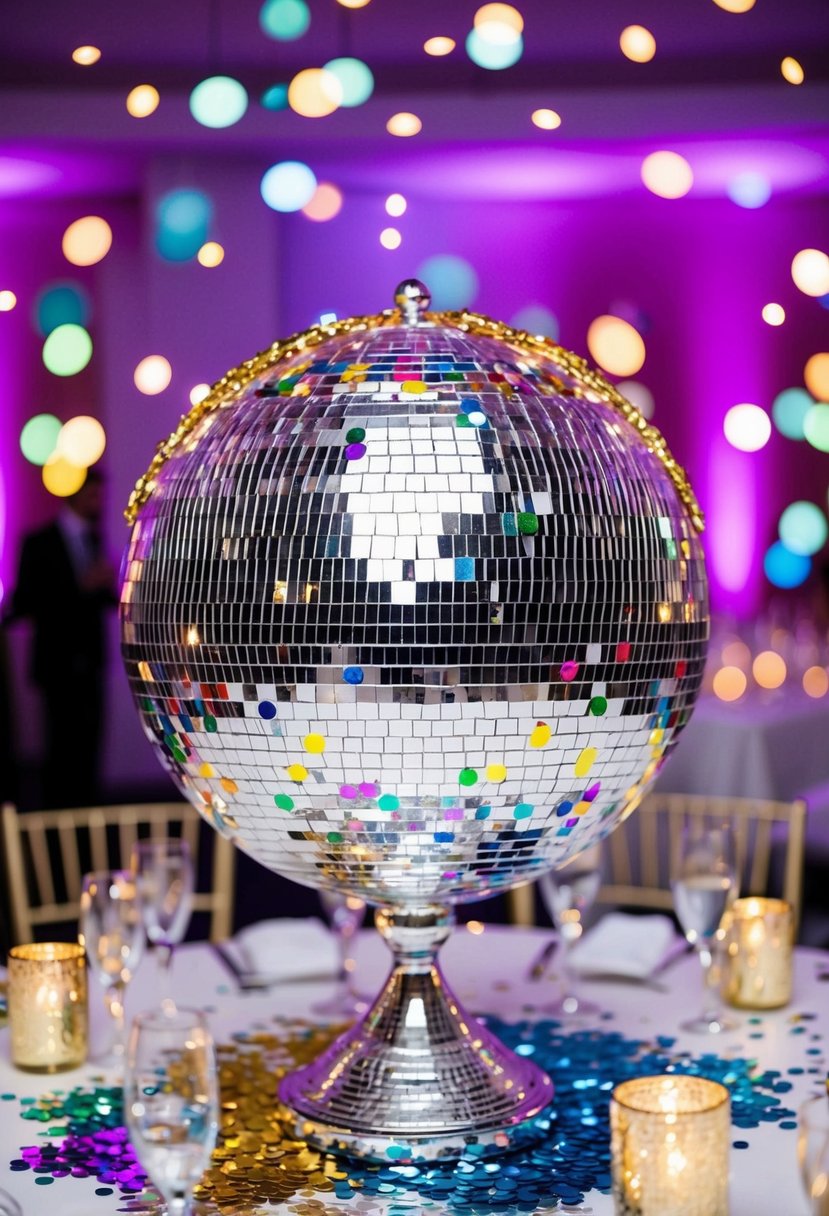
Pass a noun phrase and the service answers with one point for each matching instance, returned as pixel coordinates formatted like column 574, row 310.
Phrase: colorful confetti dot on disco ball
column 536, row 319
column 67, row 350
column 60, row 304
column 355, row 77
column 284, row 20
column 219, row 101
column 39, row 438
column 803, row 528
column 452, row 280
column 789, row 410
column 183, row 220
column 785, row 569
column 288, row 186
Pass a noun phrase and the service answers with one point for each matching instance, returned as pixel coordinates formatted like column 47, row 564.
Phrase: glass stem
column 164, row 959
column 711, row 1004
column 115, row 1005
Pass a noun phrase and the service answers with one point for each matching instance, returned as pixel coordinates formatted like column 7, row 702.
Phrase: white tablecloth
column 488, row 973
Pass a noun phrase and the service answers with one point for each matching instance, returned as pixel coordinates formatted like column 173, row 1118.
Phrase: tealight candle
column 47, row 1006
column 758, row 969
column 669, row 1147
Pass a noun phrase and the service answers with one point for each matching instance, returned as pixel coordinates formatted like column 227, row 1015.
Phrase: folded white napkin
column 286, row 949
column 630, row 946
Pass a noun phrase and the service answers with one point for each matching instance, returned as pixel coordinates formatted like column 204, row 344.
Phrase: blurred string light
column 816, row 681
column 536, row 319
column 314, row 93
column 288, row 186
column 615, row 345
column 803, row 528
column 355, row 77
column 390, row 238
column 638, row 395
column 284, row 20
column 198, row 393
column 749, row 189
column 747, row 427
column 82, row 441
column 218, row 101
column 39, row 438
column 61, row 477
column 785, row 569
column 439, row 45
column 667, row 174
column 8, row 300
column 729, row 683
column 769, row 669
column 404, row 124
column 773, row 314
column 637, row 43
column 816, row 427
column 816, row 376
column 810, row 272
column 452, row 281
column 87, row 241
column 324, row 204
column 67, row 350
column 142, row 100
column 396, row 205
column 735, row 6
column 792, row 70
column 152, row 375
column 86, row 55
column 183, row 219
column 211, row 254
column 789, row 410
column 546, row 120
column 60, row 304
column 275, row 97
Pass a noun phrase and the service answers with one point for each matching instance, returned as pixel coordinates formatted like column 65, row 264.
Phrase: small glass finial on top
column 412, row 298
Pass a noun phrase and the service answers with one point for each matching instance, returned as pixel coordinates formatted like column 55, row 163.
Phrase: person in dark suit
column 65, row 586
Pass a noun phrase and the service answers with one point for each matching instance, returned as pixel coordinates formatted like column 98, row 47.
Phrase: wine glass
column 171, row 1100
column 813, row 1152
column 704, row 882
column 345, row 914
column 164, row 877
column 568, row 894
column 111, row 932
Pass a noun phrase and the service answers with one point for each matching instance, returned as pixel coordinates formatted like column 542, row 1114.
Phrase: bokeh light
column 355, row 77
column 82, row 441
column 736, row 654
column 816, row 427
column 735, row 6
column 39, row 438
column 354, row 3
column 396, row 205
column 749, row 189
column 615, row 345
column 86, row 55
column 284, row 20
column 275, row 97
column 536, row 319
column 67, row 350
column 198, row 393
column 324, row 204
column 769, row 669
column 439, row 45
column 87, row 241
column 789, row 410
column 729, row 683
column 8, row 300
column 498, row 23
column 816, row 375
column 404, row 124
column 142, row 100
column 773, row 314
column 61, row 477
column 218, row 101
column 785, row 569
column 494, row 56
column 810, row 272
column 451, row 279
column 152, row 375
column 390, row 238
column 747, row 427
column 211, row 254
column 667, row 174
column 546, row 120
column 314, row 93
column 637, row 43
column 792, row 70
column 288, row 185
column 60, row 304
column 183, row 219
column 803, row 528
column 638, row 395
column 816, row 681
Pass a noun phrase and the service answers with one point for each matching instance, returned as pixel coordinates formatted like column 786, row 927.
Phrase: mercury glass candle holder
column 758, row 967
column 47, row 1006
column 669, row 1147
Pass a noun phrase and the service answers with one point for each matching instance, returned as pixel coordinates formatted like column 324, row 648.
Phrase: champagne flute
column 568, row 894
column 813, row 1152
column 704, row 882
column 345, row 914
column 164, row 877
column 171, row 1101
column 111, row 932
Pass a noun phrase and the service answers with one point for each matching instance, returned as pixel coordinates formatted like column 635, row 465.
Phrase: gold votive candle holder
column 669, row 1138
column 47, row 1006
column 759, row 946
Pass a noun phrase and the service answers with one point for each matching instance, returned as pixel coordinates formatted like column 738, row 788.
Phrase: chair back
column 48, row 853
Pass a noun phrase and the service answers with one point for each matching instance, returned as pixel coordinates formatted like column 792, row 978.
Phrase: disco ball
column 414, row 609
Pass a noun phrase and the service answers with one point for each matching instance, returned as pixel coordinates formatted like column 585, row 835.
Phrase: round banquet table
column 489, row 972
